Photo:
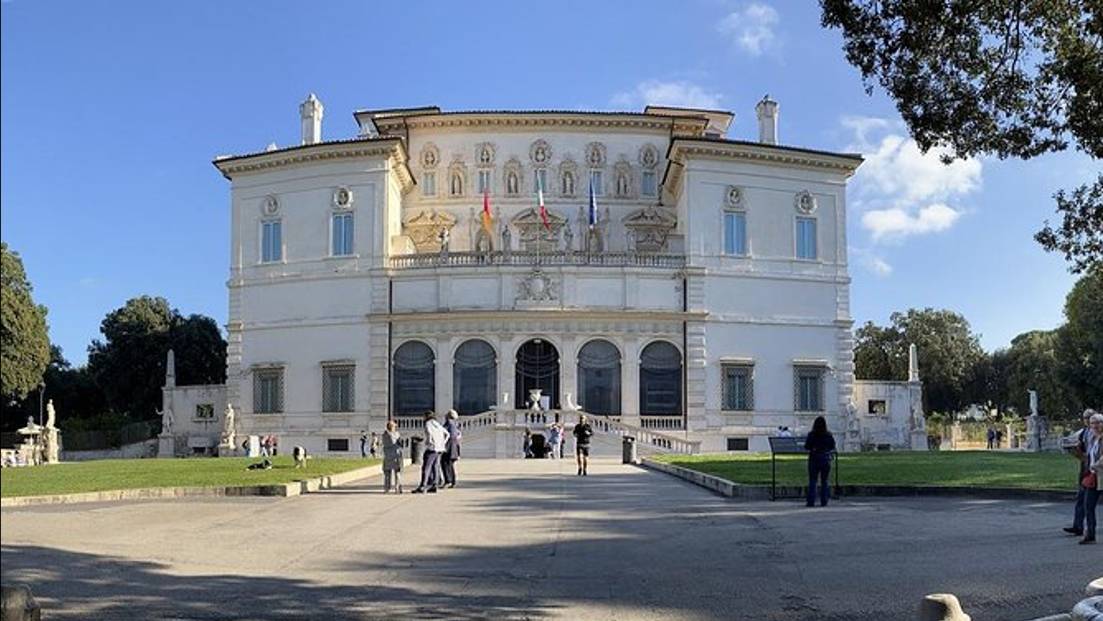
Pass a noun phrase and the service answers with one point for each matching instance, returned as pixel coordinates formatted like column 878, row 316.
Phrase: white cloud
column 677, row 94
column 871, row 261
column 901, row 190
column 751, row 28
column 897, row 222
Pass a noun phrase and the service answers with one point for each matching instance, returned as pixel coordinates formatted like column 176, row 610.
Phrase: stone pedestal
column 166, row 446
column 228, row 450
column 919, row 440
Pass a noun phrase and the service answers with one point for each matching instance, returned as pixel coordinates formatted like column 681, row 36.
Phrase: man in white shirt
column 436, row 441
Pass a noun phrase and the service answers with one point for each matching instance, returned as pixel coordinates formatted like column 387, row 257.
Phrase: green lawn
column 1050, row 471
column 110, row 474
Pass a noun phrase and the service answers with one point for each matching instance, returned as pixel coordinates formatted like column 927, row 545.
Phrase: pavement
column 530, row 540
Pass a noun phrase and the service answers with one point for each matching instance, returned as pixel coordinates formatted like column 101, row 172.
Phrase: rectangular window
column 428, row 184
column 596, row 179
column 540, row 179
column 337, row 445
column 648, row 185
column 735, row 233
column 342, row 234
column 739, row 444
column 337, row 388
column 204, row 411
column 268, row 391
column 484, row 181
column 271, row 241
column 806, row 238
column 878, row 407
column 738, row 387
column 808, row 388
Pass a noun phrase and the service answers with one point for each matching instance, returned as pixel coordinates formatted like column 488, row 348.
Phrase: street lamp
column 41, row 392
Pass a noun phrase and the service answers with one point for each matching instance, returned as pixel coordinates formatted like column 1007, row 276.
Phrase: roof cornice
column 843, row 163
column 686, row 126
column 388, row 147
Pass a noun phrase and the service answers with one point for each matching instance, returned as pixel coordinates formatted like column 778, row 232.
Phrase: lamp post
column 41, row 392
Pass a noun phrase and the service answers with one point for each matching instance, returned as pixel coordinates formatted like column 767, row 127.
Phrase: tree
column 73, row 391
column 949, row 353
column 129, row 364
column 1033, row 366
column 24, row 342
column 1014, row 78
column 987, row 383
column 1080, row 340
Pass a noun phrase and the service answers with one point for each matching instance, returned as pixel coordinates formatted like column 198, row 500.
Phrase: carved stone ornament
column 426, row 229
column 536, row 286
column 540, row 152
column 649, row 227
column 270, row 205
column 512, row 177
column 595, row 154
column 342, row 198
column 533, row 233
column 805, row 202
column 622, row 179
column 430, row 155
column 568, row 177
column 649, row 156
column 484, row 154
column 734, row 196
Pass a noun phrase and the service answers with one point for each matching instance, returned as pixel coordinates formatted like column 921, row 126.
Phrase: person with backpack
column 583, row 432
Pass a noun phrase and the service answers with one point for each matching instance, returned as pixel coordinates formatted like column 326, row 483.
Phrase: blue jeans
column 819, row 467
column 1091, row 501
column 1078, row 512
column 430, row 470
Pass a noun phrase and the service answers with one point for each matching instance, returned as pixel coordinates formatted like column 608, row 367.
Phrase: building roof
column 853, row 156
column 362, row 146
column 691, row 121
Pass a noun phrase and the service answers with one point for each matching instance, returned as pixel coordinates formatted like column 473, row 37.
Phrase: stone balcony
column 530, row 258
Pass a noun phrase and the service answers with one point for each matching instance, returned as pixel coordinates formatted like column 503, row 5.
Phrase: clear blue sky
column 112, row 111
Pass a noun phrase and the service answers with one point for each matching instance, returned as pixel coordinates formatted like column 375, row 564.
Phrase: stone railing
column 525, row 258
column 645, row 438
column 666, row 422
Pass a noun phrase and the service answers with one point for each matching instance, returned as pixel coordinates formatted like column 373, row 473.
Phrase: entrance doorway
column 537, row 367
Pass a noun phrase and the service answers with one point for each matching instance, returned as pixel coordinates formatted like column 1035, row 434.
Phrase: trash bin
column 629, row 447
column 415, row 450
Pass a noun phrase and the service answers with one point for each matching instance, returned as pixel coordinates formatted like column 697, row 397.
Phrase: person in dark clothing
column 820, row 445
column 1080, row 451
column 582, row 434
column 452, row 450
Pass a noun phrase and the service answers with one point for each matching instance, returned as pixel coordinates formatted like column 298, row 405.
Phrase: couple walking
column 1088, row 450
column 442, row 450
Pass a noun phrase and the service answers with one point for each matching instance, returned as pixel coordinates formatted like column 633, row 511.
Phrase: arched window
column 599, row 378
column 474, row 377
column 660, row 380
column 414, row 379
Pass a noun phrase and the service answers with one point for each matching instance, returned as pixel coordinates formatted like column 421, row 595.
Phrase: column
column 568, row 369
column 630, row 381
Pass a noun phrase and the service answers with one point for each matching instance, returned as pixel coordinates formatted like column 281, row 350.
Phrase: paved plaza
column 530, row 540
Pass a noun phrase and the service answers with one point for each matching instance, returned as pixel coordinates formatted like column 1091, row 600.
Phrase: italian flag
column 488, row 221
column 540, row 201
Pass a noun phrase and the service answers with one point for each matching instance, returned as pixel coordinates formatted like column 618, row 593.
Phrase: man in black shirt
column 582, row 434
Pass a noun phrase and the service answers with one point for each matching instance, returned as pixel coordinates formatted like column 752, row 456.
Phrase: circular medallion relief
column 540, row 152
column 805, row 202
column 270, row 205
column 429, row 156
column 649, row 156
column 735, row 196
column 342, row 198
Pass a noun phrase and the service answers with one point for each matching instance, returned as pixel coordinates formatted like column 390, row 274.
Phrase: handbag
column 1090, row 480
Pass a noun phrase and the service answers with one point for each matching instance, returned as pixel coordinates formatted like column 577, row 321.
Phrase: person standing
column 1093, row 481
column 436, row 441
column 363, row 443
column 526, row 444
column 452, row 449
column 582, row 434
column 1080, row 451
column 820, row 445
column 555, row 438
column 373, row 447
column 392, row 458
column 991, row 438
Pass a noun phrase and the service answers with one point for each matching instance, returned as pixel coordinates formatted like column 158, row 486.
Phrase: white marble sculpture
column 228, row 436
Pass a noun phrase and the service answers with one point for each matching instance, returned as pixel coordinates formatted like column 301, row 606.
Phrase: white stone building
column 705, row 300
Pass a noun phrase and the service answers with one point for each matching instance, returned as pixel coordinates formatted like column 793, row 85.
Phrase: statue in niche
column 568, row 183
column 507, row 240
column 568, row 236
column 622, row 185
column 457, row 185
column 512, row 183
column 628, row 241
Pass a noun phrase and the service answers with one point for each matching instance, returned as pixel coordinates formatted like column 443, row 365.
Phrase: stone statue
column 168, row 421
column 228, row 438
column 444, row 237
column 568, row 236
column 507, row 240
column 50, row 446
column 511, row 183
column 51, row 415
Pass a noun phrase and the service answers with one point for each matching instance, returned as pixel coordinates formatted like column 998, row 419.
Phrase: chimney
column 767, row 120
column 311, row 113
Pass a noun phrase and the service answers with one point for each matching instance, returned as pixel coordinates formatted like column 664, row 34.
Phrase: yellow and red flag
column 488, row 221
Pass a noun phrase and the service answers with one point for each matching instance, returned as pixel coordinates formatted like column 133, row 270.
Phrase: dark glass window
column 474, row 377
column 414, row 379
column 660, row 379
column 599, row 378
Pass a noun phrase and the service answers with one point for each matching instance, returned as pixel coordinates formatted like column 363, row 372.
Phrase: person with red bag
column 1093, row 481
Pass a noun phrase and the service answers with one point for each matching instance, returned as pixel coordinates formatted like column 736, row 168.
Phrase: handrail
column 526, row 257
